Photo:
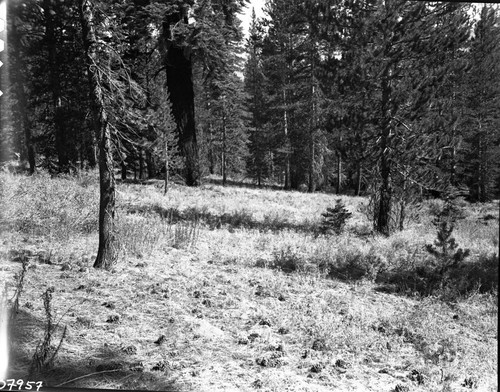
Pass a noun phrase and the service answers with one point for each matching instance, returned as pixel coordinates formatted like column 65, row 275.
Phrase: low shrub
column 274, row 221
column 480, row 276
column 354, row 264
column 288, row 259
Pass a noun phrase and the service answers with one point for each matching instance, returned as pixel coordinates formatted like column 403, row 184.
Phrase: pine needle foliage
column 447, row 255
column 334, row 219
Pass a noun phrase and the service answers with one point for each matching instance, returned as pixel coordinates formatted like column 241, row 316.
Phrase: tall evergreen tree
column 400, row 66
column 260, row 157
column 482, row 118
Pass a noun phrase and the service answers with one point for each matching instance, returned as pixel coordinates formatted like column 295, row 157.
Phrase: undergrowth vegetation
column 262, row 278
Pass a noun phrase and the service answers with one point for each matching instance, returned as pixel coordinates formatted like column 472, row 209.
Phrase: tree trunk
column 385, row 194
column 18, row 72
column 150, row 165
column 224, row 152
column 165, row 153
column 178, row 64
column 402, row 210
column 141, row 164
column 358, row 180
column 211, row 159
column 312, row 128
column 107, row 252
column 61, row 143
column 124, row 170
column 339, row 173
column 287, row 144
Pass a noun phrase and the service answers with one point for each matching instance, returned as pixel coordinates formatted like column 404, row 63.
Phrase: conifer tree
column 403, row 78
column 481, row 151
column 260, row 152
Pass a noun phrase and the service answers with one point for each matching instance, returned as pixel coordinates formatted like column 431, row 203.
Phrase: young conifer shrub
column 334, row 219
column 447, row 255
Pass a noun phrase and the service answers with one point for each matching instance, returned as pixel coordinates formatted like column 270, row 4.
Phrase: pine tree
column 400, row 68
column 260, row 160
column 481, row 151
column 164, row 143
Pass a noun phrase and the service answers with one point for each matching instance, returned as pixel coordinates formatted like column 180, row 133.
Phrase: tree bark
column 312, row 128
column 167, row 164
column 141, row 164
column 19, row 91
column 358, row 180
column 288, row 184
column 385, row 194
column 224, row 146
column 339, row 173
column 150, row 164
column 124, row 170
column 178, row 64
column 61, row 142
column 107, row 252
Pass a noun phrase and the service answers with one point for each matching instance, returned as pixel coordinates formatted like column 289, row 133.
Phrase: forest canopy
column 393, row 99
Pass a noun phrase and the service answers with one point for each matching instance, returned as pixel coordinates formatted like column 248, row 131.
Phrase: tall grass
column 57, row 207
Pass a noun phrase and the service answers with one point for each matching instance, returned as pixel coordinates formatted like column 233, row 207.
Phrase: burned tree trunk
column 107, row 253
column 178, row 64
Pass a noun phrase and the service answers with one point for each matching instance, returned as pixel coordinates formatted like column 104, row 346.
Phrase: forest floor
column 232, row 289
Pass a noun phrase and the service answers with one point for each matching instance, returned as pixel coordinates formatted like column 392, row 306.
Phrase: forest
column 197, row 198
column 392, row 99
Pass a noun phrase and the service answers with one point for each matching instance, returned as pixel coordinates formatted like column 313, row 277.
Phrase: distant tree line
column 393, row 99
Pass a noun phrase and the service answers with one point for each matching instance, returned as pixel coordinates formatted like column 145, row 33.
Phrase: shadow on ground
column 241, row 184
column 233, row 220
column 112, row 367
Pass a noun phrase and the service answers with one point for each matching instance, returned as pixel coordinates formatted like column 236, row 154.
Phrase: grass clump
column 185, row 234
column 351, row 264
column 62, row 206
column 287, row 259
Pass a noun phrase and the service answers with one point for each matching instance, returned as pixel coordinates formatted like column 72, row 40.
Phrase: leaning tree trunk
column 178, row 64
column 107, row 252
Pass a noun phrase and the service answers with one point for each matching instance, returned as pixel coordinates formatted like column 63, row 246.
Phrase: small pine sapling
column 447, row 254
column 334, row 219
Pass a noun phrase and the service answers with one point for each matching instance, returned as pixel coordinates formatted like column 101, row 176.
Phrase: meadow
column 235, row 289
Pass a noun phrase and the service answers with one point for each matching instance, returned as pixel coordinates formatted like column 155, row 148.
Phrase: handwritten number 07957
column 13, row 385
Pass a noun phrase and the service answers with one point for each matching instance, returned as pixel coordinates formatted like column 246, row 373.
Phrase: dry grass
column 245, row 293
